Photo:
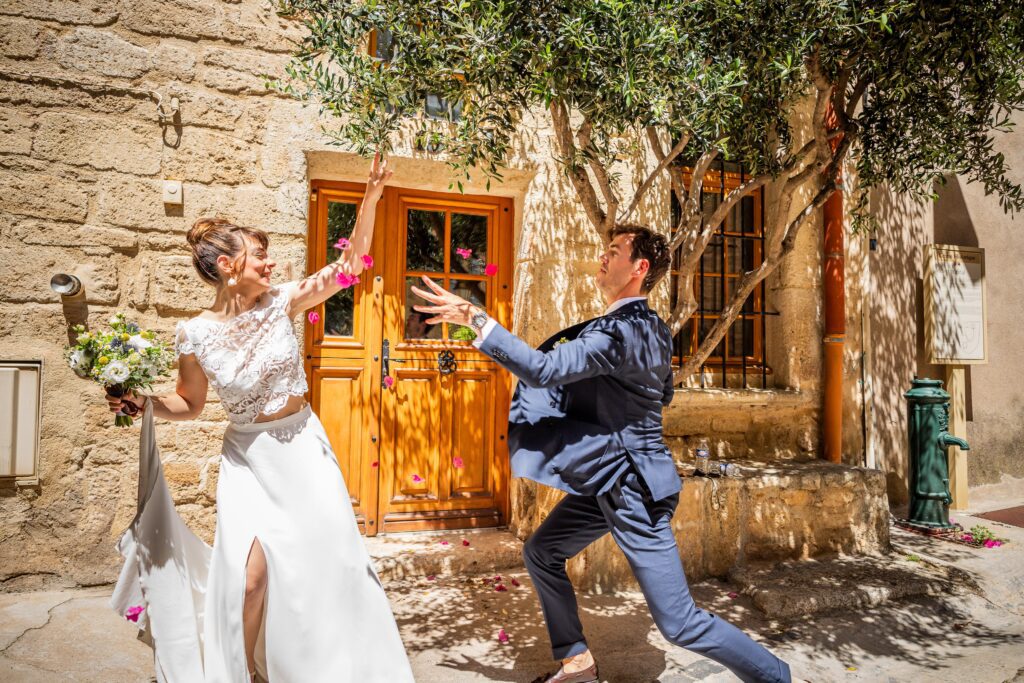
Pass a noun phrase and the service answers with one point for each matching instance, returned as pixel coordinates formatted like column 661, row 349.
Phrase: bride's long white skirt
column 327, row 617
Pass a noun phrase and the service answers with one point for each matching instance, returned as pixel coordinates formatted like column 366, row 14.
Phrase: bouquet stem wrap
column 123, row 418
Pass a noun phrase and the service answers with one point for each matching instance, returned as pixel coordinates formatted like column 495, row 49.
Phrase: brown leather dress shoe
column 588, row 675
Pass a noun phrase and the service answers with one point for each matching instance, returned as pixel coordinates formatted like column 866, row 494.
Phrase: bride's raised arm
column 321, row 285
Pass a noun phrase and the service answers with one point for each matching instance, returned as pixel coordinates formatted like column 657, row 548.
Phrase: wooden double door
column 416, row 415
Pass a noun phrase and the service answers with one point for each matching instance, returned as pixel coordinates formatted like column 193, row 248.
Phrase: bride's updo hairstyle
column 214, row 237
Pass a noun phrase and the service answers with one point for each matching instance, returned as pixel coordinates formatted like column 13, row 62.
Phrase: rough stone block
column 190, row 19
column 174, row 61
column 28, row 274
column 210, row 110
column 43, row 196
column 15, row 131
column 95, row 12
column 61, row 235
column 207, row 157
column 177, row 290
column 94, row 51
column 19, row 39
column 99, row 143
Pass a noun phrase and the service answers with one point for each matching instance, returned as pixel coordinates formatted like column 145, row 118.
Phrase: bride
column 290, row 592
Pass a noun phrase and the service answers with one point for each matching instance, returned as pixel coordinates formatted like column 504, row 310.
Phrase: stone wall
column 83, row 156
column 962, row 215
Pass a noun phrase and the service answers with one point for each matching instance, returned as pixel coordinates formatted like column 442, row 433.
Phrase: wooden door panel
column 472, row 429
column 339, row 401
column 412, row 446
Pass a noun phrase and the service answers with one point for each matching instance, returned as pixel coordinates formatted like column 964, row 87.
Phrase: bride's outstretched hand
column 379, row 176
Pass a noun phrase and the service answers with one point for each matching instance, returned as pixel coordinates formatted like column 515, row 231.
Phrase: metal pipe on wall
column 834, row 341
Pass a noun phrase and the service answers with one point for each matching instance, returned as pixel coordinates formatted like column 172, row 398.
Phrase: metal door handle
column 446, row 363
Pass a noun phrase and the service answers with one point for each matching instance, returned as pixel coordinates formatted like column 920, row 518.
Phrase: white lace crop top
column 252, row 360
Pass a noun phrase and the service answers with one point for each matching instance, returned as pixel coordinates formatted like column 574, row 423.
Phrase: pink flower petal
column 417, row 478
column 733, row 595
column 342, row 244
column 500, row 588
column 374, row 464
column 389, row 381
column 491, row 270
column 367, row 261
column 345, row 280
column 502, row 636
column 132, row 614
column 516, row 583
column 497, row 579
column 457, row 461
column 464, row 253
column 465, row 542
column 444, row 542
column 431, row 577
column 313, row 317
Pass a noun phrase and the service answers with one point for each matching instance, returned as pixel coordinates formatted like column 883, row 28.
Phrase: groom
column 586, row 419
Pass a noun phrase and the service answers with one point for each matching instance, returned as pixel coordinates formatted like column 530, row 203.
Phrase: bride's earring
column 232, row 281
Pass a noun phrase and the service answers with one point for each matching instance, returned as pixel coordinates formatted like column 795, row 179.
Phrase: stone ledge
column 405, row 556
column 777, row 512
column 793, row 589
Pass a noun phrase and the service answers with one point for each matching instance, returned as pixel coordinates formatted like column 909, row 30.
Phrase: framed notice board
column 954, row 305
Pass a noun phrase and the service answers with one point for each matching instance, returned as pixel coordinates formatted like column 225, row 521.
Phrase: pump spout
column 946, row 439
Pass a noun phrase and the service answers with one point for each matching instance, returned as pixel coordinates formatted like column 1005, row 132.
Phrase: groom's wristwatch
column 478, row 321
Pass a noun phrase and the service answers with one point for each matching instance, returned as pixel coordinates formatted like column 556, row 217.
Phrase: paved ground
column 451, row 625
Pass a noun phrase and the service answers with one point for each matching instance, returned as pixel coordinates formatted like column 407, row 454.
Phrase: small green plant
column 982, row 535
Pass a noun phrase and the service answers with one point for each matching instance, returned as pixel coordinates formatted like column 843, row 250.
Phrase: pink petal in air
column 502, row 636
column 417, row 478
column 444, row 542
column 374, row 464
column 457, row 461
column 464, row 253
column 342, row 244
column 465, row 543
column 345, row 280
column 367, row 261
column 133, row 613
column 389, row 381
column 516, row 583
column 313, row 317
column 491, row 270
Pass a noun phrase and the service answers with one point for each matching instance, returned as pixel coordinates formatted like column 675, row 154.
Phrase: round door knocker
column 446, row 363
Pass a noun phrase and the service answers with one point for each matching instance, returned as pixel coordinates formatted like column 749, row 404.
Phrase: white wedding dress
column 326, row 617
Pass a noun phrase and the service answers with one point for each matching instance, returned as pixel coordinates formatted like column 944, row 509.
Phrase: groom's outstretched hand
column 447, row 307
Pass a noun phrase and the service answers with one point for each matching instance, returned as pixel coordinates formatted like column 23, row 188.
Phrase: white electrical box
column 172, row 192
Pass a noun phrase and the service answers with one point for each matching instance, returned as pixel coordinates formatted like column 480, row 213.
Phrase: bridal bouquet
column 123, row 359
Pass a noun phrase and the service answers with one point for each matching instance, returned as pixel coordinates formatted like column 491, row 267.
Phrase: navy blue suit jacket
column 589, row 402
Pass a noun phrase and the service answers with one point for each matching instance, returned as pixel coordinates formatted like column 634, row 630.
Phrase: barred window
column 737, row 247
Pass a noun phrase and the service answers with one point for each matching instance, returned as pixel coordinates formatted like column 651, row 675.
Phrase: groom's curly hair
column 649, row 245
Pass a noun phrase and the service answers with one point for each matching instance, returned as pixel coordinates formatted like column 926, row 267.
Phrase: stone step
column 404, row 556
column 802, row 587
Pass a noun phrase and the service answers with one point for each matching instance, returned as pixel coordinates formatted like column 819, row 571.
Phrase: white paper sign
column 955, row 304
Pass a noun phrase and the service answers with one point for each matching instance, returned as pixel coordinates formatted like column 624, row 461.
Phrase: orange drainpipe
column 835, row 319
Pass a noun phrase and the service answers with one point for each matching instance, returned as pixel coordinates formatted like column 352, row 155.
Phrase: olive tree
column 902, row 92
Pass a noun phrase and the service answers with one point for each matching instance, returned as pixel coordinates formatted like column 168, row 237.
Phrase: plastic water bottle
column 702, row 458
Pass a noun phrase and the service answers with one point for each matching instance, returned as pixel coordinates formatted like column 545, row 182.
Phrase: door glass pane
column 415, row 323
column 338, row 310
column 424, row 241
column 469, row 244
column 472, row 291
column 712, row 256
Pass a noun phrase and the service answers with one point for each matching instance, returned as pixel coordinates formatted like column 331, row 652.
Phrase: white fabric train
column 327, row 616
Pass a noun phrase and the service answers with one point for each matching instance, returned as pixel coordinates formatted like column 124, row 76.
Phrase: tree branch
column 675, row 176
column 662, row 164
column 577, row 175
column 603, row 181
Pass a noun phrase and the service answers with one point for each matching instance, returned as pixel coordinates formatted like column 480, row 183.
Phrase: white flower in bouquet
column 116, row 372
column 80, row 362
column 138, row 343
